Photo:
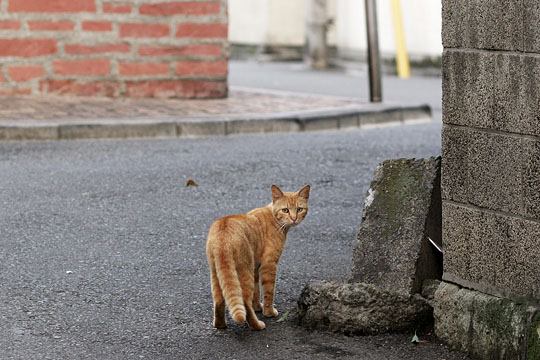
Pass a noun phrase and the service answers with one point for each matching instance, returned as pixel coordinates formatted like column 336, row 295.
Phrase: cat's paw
column 257, row 306
column 259, row 326
column 270, row 312
column 219, row 324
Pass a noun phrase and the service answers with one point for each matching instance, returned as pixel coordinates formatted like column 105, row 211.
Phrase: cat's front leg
column 268, row 280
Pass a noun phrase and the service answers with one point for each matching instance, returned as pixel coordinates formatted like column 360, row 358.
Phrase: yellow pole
column 402, row 58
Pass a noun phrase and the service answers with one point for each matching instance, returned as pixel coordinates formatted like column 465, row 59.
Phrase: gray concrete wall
column 491, row 179
column 491, row 146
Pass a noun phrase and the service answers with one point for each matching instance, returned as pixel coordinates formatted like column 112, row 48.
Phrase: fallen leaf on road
column 284, row 317
column 191, row 182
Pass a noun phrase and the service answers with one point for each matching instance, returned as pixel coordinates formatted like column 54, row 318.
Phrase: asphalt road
column 102, row 245
column 297, row 77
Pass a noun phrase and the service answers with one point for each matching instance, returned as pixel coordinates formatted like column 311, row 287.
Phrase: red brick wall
column 135, row 48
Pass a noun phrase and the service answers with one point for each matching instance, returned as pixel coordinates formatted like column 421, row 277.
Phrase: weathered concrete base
column 485, row 326
column 392, row 258
column 359, row 308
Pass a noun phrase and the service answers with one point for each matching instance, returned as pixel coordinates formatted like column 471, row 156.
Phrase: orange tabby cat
column 242, row 248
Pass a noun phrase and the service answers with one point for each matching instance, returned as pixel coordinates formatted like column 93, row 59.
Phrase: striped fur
column 243, row 252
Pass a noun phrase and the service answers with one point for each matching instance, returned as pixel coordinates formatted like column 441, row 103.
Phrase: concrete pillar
column 491, row 178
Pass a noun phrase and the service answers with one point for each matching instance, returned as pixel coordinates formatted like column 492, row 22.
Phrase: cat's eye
column 300, row 209
column 285, row 210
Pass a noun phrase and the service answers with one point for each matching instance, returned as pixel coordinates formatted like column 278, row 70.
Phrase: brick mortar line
column 491, row 211
column 134, row 3
column 133, row 51
column 66, row 36
column 110, row 55
column 99, row 7
column 54, row 16
column 115, row 29
column 494, row 51
column 134, row 45
column 116, row 17
column 494, row 131
column 113, row 75
column 224, row 10
column 129, row 78
column 114, row 69
column 120, row 56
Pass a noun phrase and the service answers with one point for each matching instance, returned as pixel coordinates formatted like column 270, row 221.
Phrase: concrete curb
column 368, row 115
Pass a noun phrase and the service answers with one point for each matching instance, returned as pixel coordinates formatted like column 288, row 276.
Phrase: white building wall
column 423, row 26
column 282, row 22
column 248, row 21
column 286, row 22
column 421, row 20
column 267, row 22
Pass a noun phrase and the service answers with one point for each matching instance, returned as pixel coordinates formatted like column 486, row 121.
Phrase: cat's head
column 290, row 208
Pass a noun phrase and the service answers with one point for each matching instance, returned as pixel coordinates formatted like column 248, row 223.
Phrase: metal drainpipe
column 374, row 64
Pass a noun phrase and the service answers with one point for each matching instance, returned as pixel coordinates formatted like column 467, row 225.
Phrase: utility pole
column 374, row 63
column 316, row 54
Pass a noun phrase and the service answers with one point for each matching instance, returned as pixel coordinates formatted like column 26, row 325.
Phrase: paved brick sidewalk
column 239, row 102
column 243, row 111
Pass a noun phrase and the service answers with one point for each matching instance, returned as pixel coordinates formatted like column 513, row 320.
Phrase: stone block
column 201, row 128
column 493, row 253
column 465, row 73
column 528, row 106
column 531, row 177
column 315, row 123
column 402, row 209
column 485, row 326
column 483, row 24
column 46, row 132
column 419, row 114
column 349, row 121
column 360, row 308
column 489, row 90
column 390, row 115
column 531, row 20
column 127, row 130
column 261, row 126
column 472, row 164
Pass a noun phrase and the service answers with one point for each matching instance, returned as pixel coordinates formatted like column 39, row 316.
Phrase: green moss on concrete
column 498, row 316
column 497, row 325
column 533, row 346
column 399, row 181
column 485, row 326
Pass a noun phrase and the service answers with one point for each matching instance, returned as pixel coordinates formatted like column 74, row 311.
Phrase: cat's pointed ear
column 304, row 192
column 276, row 193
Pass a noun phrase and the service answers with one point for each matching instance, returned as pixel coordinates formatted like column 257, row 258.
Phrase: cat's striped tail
column 230, row 284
